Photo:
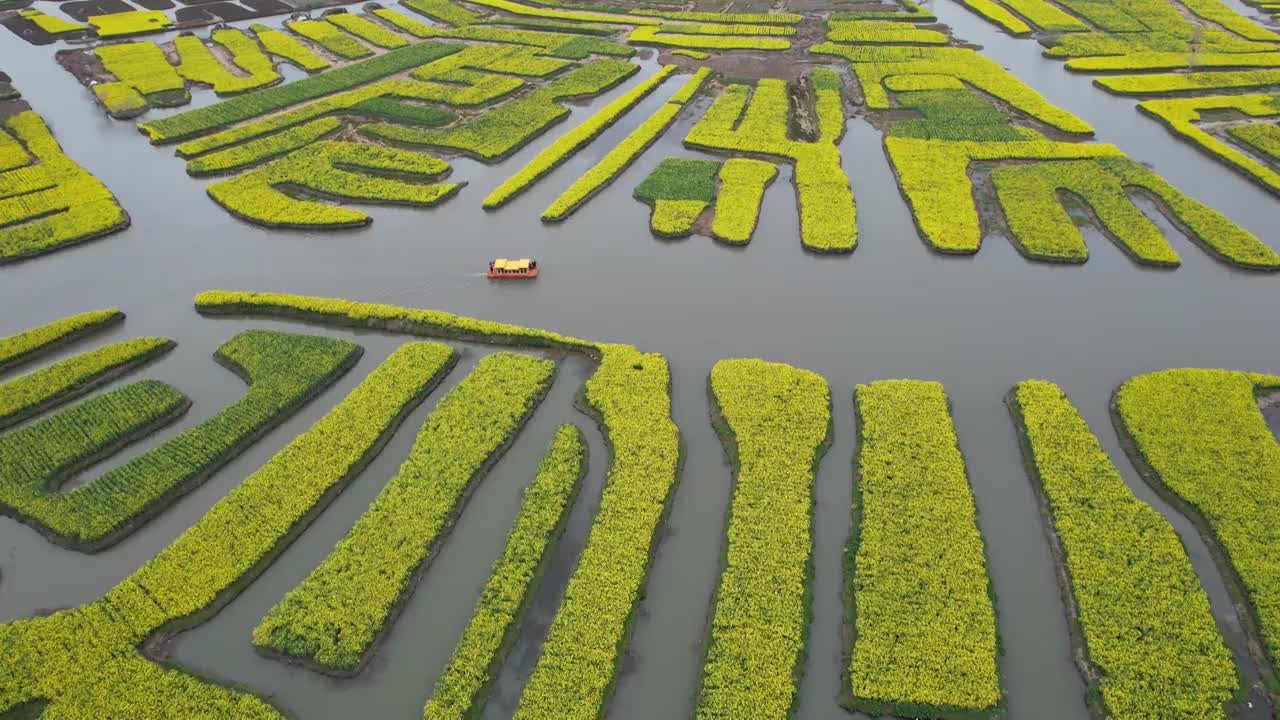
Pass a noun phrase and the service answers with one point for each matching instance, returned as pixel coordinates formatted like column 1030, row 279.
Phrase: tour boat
column 504, row 268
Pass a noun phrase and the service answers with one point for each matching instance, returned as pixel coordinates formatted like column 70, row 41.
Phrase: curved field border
column 377, row 565
column 1180, row 115
column 54, row 662
column 629, row 398
column 477, row 659
column 1121, row 542
column 282, row 372
column 1251, row 622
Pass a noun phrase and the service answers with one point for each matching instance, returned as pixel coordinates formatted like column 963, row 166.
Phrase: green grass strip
column 1199, row 438
column 1143, row 618
column 678, row 190
column 283, row 371
column 250, row 105
column 680, row 179
column 924, row 640
column 497, row 133
column 334, row 616
column 259, row 151
column 30, row 344
column 403, row 112
column 49, row 387
column 284, row 45
column 477, row 659
column 571, row 142
column 620, row 157
column 774, row 421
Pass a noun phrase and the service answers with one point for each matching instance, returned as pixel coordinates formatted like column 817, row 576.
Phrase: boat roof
column 505, row 264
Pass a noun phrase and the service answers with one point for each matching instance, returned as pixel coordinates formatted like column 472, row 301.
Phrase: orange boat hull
column 533, row 273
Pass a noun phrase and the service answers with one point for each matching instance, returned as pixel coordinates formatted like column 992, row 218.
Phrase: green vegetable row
column 333, row 617
column 775, row 422
column 678, row 190
column 263, row 149
column 1147, row 628
column 451, row 79
column 64, row 381
column 283, row 370
column 31, row 344
column 924, row 640
column 477, row 659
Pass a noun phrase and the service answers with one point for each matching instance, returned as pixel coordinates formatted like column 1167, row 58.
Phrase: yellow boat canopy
column 511, row 265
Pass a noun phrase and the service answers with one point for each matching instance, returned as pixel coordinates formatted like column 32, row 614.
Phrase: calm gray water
column 892, row 309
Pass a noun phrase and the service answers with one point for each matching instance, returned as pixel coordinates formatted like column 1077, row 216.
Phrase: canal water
column 892, row 309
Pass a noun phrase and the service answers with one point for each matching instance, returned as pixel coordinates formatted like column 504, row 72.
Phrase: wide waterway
column 891, row 309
